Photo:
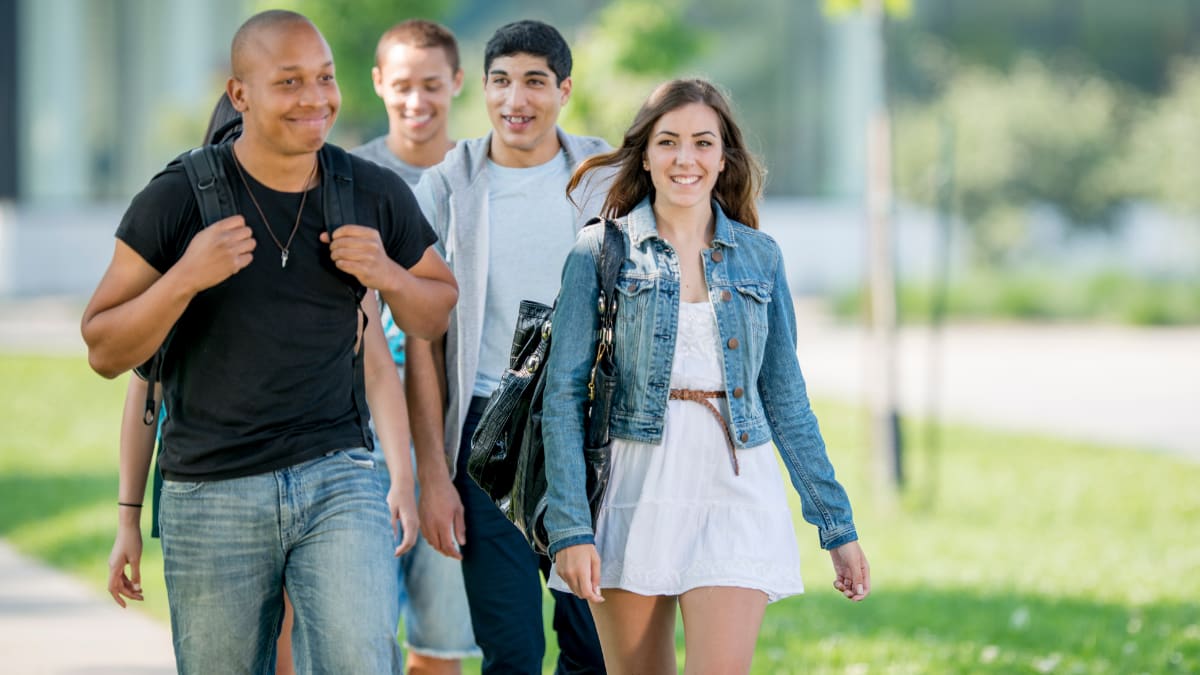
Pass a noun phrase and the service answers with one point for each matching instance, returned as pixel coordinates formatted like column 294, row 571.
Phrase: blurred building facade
column 99, row 94
column 106, row 89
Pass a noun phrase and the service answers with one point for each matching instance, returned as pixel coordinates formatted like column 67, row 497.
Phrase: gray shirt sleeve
column 431, row 199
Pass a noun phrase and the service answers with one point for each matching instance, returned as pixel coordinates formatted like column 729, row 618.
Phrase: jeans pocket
column 181, row 487
column 360, row 457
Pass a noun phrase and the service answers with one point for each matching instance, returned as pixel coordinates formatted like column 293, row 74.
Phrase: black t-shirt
column 259, row 373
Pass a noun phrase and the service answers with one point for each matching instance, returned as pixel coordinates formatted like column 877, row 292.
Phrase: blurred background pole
column 885, row 421
column 941, row 255
column 9, row 150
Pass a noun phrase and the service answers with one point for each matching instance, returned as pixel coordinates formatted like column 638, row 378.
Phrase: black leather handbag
column 508, row 458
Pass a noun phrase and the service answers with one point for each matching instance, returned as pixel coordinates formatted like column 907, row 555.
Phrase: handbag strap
column 612, row 256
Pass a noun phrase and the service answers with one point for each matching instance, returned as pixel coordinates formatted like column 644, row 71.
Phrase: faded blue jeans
column 433, row 599
column 321, row 530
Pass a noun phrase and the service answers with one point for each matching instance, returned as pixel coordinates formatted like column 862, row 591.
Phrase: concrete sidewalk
column 1109, row 384
column 48, row 325
column 52, row 624
column 1113, row 385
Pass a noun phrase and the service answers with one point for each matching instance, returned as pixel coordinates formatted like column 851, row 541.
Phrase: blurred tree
column 1030, row 138
column 1166, row 142
column 352, row 28
column 631, row 47
column 776, row 58
column 1130, row 42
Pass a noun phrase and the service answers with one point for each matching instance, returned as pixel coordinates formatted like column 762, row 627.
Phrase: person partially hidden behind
column 417, row 75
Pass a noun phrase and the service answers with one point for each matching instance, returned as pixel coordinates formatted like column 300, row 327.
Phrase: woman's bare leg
column 637, row 632
column 720, row 628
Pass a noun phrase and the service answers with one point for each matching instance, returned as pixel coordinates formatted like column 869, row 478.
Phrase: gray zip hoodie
column 454, row 198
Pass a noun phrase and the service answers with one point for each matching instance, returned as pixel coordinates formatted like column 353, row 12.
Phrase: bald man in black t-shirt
column 269, row 479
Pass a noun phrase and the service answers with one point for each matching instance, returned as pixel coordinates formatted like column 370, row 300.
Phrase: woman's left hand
column 852, row 573
column 579, row 567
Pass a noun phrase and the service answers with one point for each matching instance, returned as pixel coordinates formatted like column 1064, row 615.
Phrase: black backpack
column 205, row 168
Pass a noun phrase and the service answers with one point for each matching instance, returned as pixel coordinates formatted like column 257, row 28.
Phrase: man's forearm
column 422, row 296
column 421, row 307
column 425, row 384
column 125, row 335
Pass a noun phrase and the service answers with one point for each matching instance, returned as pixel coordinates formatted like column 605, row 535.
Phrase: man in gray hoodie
column 499, row 207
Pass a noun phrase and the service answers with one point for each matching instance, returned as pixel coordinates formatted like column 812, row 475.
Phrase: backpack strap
column 337, row 198
column 205, row 171
column 210, row 184
column 337, row 192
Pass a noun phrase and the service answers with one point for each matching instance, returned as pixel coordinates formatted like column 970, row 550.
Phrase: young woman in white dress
column 695, row 512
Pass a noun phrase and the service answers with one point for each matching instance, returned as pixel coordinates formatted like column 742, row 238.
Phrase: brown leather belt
column 701, row 397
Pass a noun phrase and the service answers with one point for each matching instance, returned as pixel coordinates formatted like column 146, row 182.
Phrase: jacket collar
column 478, row 151
column 641, row 224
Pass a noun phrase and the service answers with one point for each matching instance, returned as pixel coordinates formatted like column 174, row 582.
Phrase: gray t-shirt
column 377, row 151
column 531, row 228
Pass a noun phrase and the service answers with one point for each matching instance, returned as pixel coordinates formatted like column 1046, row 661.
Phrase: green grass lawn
column 1008, row 554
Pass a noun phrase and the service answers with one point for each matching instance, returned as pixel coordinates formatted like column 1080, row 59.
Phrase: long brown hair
column 737, row 187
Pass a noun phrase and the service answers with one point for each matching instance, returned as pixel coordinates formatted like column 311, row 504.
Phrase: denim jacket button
column 744, row 437
column 717, row 256
column 738, row 391
column 726, row 296
column 632, row 288
column 733, row 343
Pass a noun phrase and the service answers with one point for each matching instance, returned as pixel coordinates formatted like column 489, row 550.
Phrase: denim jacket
column 763, row 384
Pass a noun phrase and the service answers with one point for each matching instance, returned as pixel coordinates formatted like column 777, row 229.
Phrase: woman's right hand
column 852, row 574
column 579, row 567
column 126, row 552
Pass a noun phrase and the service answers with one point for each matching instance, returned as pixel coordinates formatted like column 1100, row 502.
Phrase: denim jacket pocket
column 635, row 315
column 631, row 286
column 634, row 339
column 755, row 295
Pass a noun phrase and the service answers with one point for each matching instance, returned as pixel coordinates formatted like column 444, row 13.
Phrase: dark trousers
column 504, row 591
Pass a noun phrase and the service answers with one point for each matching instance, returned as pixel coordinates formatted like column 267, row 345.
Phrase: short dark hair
column 530, row 37
column 268, row 20
column 419, row 33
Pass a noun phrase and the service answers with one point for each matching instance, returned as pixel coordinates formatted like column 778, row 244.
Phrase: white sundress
column 675, row 517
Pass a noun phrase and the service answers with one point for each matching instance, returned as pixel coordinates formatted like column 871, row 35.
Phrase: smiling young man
column 500, row 209
column 269, row 480
column 417, row 74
